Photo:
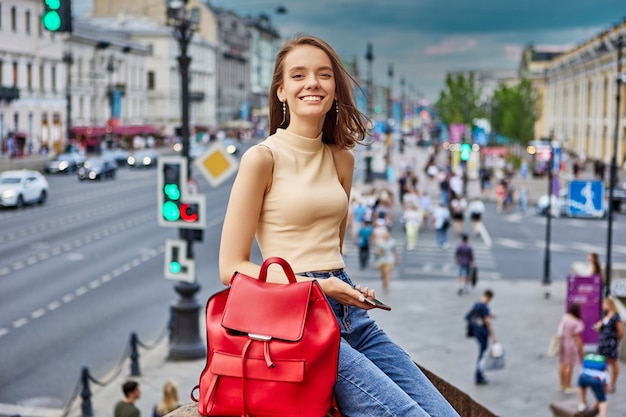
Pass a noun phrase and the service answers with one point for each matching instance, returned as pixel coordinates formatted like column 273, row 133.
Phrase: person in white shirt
column 441, row 223
column 476, row 208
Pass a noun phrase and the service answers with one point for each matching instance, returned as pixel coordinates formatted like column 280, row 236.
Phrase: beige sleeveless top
column 303, row 210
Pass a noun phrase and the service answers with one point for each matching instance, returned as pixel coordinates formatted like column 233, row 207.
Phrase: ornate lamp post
column 185, row 342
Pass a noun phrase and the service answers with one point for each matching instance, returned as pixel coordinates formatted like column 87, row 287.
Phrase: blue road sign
column 586, row 199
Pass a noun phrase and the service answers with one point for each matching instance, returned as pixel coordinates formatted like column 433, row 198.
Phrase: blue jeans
column 596, row 385
column 442, row 236
column 376, row 377
column 482, row 337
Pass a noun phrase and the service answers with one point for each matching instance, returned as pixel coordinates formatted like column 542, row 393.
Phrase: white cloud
column 451, row 46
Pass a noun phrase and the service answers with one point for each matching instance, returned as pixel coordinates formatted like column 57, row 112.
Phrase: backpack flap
column 266, row 309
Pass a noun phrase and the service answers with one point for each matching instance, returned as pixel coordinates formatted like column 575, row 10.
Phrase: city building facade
column 579, row 104
column 32, row 81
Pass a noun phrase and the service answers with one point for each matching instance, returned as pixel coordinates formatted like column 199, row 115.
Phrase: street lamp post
column 546, row 261
column 185, row 342
column 369, row 57
column 613, row 170
column 68, row 59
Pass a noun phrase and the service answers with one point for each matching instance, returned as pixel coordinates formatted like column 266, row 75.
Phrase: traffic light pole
column 185, row 342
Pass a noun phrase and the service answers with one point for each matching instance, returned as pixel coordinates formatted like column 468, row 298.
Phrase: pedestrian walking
column 464, row 258
column 126, row 407
column 386, row 258
column 523, row 197
column 594, row 376
column 412, row 218
column 365, row 238
column 441, row 223
column 479, row 319
column 458, row 205
column 476, row 208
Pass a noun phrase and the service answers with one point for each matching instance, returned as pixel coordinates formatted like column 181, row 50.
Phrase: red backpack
column 273, row 349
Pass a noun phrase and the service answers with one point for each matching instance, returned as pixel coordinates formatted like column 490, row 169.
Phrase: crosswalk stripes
column 425, row 261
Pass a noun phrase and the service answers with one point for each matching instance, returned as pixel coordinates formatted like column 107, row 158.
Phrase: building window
column 14, row 19
column 14, row 74
column 0, row 29
column 151, row 81
column 29, row 76
column 1, row 68
column 54, row 79
column 27, row 26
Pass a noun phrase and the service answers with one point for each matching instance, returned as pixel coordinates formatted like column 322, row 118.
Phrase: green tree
column 514, row 111
column 459, row 102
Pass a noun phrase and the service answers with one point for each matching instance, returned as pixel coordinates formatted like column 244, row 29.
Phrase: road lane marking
column 38, row 313
column 20, row 322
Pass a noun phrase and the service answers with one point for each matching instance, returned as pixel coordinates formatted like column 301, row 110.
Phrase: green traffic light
column 51, row 21
column 170, row 211
column 53, row 4
column 172, row 191
column 466, row 148
column 175, row 267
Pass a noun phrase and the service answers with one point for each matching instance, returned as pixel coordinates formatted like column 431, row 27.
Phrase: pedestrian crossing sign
column 586, row 199
column 216, row 164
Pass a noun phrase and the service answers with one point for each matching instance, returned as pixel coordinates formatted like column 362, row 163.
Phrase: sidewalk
column 427, row 320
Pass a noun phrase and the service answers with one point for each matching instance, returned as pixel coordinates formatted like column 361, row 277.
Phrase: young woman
column 611, row 331
column 292, row 193
column 570, row 328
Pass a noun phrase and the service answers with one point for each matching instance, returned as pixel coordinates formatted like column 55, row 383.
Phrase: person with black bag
column 479, row 326
column 291, row 193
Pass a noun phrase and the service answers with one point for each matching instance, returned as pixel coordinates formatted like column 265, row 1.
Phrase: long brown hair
column 595, row 264
column 344, row 128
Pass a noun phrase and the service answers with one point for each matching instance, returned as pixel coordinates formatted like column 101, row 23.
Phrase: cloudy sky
column 425, row 39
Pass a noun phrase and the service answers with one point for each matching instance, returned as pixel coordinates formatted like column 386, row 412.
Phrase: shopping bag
column 474, row 275
column 494, row 359
column 554, row 347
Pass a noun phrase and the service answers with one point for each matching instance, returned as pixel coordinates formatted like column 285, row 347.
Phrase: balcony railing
column 9, row 94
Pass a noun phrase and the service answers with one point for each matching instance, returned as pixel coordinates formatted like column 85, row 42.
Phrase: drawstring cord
column 268, row 360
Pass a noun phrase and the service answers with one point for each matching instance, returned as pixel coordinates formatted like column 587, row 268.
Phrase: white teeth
column 311, row 98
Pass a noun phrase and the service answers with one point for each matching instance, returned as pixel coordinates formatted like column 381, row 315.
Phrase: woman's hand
column 340, row 291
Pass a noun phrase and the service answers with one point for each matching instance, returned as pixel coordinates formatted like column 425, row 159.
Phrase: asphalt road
column 81, row 273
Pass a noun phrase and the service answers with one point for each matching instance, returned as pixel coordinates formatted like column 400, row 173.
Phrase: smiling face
column 308, row 87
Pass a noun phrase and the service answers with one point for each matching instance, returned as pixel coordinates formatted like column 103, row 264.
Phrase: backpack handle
column 280, row 261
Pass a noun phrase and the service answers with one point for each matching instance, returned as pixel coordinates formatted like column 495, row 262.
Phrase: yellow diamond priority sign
column 216, row 164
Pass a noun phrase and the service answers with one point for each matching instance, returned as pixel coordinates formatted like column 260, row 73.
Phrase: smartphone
column 376, row 303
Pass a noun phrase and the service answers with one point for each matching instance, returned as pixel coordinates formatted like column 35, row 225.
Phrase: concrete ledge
column 568, row 408
column 460, row 401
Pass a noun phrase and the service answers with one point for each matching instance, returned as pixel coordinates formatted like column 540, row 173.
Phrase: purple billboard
column 587, row 293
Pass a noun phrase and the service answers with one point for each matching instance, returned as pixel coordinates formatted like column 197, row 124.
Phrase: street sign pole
column 546, row 259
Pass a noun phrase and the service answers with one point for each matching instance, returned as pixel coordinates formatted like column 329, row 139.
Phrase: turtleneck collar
column 302, row 143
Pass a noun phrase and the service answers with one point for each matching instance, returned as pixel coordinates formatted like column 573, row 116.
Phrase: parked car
column 20, row 187
column 119, row 155
column 97, row 168
column 144, row 158
column 65, row 163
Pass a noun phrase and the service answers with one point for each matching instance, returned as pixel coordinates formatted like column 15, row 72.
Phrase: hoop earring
column 337, row 110
column 284, row 113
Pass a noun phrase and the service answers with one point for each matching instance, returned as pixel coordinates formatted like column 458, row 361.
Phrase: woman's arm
column 579, row 344
column 344, row 164
column 242, row 214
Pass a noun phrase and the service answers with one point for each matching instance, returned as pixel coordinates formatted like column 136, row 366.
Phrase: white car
column 20, row 187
